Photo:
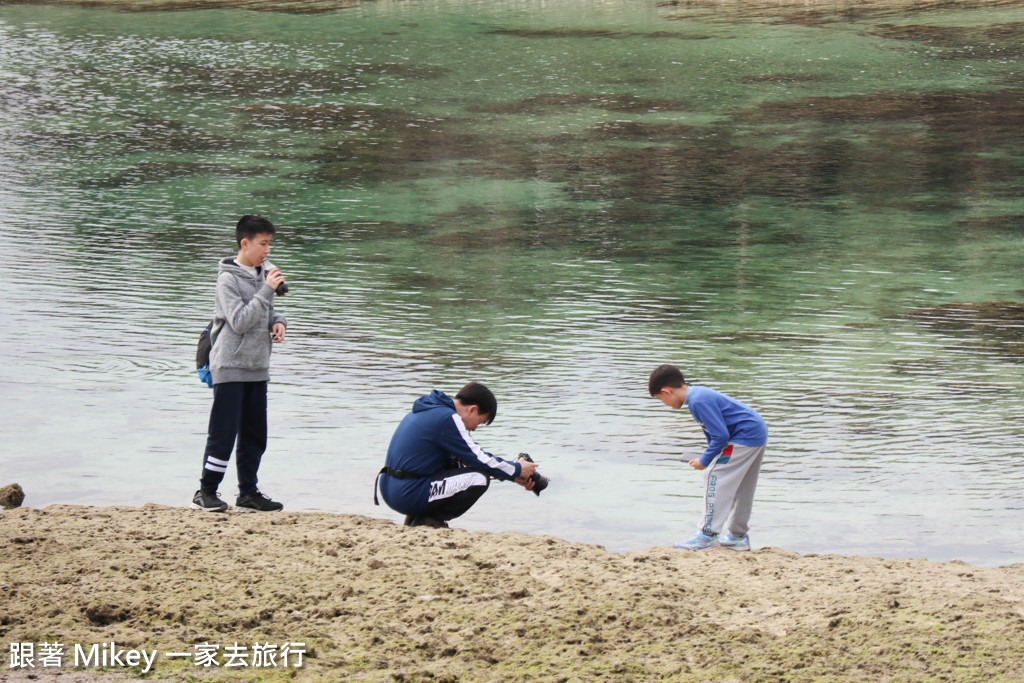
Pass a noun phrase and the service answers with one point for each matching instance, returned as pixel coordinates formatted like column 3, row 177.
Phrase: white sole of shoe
column 200, row 507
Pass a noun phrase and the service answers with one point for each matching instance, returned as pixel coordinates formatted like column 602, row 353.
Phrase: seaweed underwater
column 998, row 324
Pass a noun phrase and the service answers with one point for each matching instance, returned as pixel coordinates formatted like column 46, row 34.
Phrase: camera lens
column 539, row 482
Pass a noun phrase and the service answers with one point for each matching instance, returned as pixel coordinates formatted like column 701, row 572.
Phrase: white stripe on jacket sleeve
column 482, row 456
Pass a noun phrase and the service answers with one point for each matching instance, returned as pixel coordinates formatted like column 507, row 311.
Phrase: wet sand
column 374, row 601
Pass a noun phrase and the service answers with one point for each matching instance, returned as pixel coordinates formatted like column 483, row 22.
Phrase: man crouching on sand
column 434, row 470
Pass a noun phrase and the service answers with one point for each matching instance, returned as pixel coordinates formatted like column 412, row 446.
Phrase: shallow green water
column 818, row 213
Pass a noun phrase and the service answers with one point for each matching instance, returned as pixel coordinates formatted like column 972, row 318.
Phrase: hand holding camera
column 539, row 482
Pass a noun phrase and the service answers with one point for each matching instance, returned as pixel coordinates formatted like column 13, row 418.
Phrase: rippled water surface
column 816, row 210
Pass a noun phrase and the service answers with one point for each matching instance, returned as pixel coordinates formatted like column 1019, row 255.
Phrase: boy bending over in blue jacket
column 736, row 437
column 434, row 470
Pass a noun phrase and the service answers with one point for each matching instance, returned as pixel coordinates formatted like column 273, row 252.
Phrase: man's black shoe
column 208, row 501
column 257, row 502
column 426, row 521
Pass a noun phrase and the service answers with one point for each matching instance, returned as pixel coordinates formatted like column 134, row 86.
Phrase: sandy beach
column 364, row 599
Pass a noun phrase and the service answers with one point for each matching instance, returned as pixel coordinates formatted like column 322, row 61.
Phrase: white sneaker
column 730, row 542
column 699, row 541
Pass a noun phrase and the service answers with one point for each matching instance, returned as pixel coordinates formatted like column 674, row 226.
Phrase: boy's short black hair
column 476, row 394
column 665, row 376
column 249, row 226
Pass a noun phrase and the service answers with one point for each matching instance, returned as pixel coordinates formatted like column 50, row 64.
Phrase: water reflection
column 826, row 228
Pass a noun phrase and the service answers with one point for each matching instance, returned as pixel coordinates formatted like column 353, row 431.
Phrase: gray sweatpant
column 729, row 485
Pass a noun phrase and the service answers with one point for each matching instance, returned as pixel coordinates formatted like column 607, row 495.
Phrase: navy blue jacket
column 424, row 443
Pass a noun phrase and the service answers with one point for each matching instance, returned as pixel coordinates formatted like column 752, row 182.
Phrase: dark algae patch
column 822, row 13
column 1005, row 41
column 945, row 112
column 541, row 104
column 593, row 33
column 999, row 323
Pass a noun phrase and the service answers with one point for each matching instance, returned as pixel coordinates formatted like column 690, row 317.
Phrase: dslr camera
column 539, row 482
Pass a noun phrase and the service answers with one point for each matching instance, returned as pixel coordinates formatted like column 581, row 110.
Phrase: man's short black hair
column 665, row 376
column 476, row 394
column 249, row 226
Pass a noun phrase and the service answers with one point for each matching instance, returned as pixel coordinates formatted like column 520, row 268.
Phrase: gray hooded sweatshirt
column 244, row 317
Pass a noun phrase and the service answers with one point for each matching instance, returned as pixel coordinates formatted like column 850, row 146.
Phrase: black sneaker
column 257, row 502
column 431, row 522
column 208, row 501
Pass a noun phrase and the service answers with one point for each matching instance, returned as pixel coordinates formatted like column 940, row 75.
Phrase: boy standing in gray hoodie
column 244, row 331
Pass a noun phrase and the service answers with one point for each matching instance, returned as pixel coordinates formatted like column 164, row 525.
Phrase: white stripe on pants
column 729, row 489
column 447, row 487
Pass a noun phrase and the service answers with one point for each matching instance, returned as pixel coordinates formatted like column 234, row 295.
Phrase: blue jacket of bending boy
column 724, row 420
